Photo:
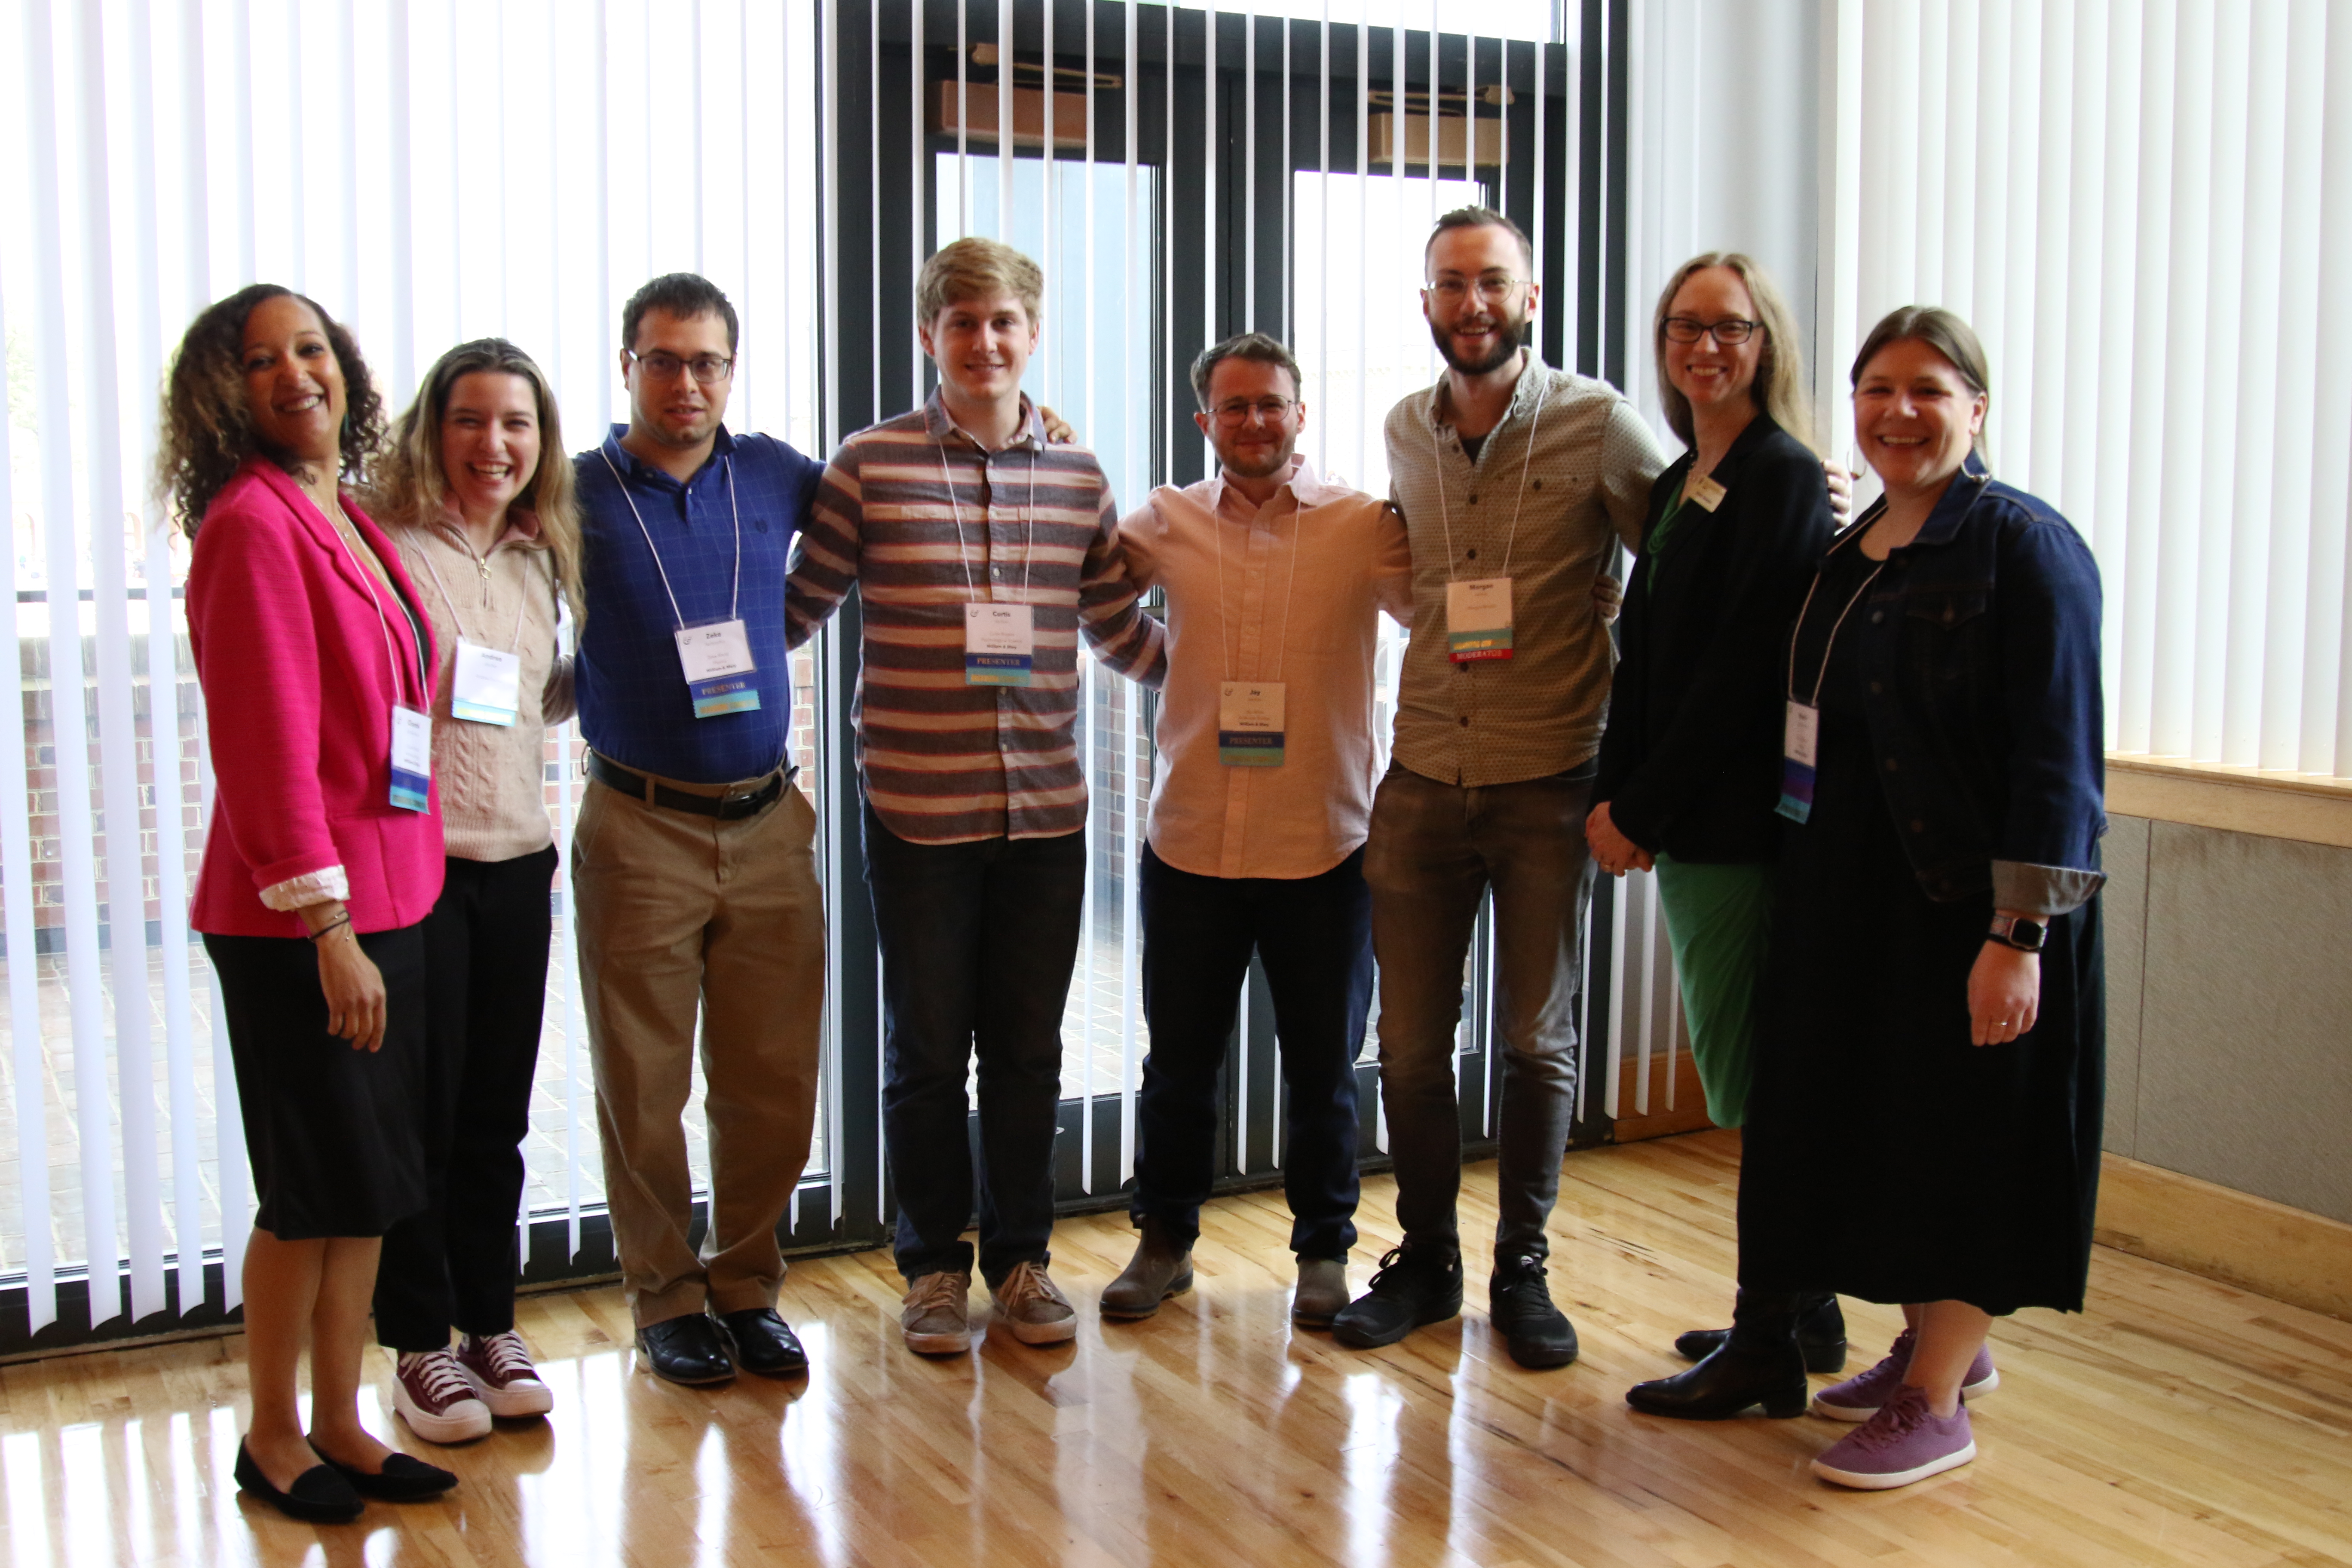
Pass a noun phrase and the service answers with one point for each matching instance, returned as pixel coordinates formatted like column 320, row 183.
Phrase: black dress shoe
column 1727, row 1383
column 1412, row 1287
column 1519, row 1302
column 1821, row 1334
column 320, row 1495
column 687, row 1350
column 404, row 1479
column 764, row 1342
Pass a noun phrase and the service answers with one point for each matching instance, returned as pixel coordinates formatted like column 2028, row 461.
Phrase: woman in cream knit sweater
column 476, row 490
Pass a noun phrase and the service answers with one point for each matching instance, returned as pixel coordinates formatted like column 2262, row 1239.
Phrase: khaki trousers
column 674, row 910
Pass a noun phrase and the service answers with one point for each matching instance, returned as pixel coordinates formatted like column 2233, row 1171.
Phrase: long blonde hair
column 1780, row 389
column 412, row 486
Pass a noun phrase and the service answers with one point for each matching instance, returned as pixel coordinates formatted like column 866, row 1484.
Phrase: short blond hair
column 978, row 270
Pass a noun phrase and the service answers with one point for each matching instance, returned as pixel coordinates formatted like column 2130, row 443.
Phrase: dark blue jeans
column 978, row 942
column 1313, row 935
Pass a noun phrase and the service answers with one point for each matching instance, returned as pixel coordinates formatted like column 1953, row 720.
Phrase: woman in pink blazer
column 323, row 859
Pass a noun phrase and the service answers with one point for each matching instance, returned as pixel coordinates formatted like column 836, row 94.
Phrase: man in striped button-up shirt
column 980, row 554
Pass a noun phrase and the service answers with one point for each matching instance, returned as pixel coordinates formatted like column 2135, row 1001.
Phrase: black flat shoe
column 764, row 1342
column 1821, row 1334
column 320, row 1495
column 688, row 1350
column 404, row 1479
column 1728, row 1383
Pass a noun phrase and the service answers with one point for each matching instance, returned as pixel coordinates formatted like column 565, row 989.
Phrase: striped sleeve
column 824, row 556
column 1110, row 609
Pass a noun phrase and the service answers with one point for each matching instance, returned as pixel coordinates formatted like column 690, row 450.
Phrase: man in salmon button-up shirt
column 1276, row 579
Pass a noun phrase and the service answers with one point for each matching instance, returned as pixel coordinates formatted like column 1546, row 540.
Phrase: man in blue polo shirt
column 692, row 867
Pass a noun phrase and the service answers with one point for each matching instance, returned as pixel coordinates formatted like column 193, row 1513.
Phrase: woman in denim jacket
column 1924, row 1127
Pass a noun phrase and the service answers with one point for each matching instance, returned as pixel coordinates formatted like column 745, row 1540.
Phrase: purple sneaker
column 1859, row 1398
column 1905, row 1442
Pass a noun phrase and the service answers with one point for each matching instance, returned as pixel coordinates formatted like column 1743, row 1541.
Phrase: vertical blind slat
column 2327, row 713
column 2286, row 741
column 126, row 903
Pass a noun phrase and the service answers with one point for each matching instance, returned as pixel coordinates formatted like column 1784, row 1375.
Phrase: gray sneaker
column 1322, row 1292
column 1033, row 1307
column 933, row 1316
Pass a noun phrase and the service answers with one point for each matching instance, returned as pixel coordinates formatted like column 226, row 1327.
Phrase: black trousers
column 454, row 1262
column 978, row 943
column 1314, row 936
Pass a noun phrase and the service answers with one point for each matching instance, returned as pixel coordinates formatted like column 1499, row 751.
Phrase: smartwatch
column 2017, row 932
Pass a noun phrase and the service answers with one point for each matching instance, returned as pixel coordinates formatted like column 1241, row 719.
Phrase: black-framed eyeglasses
column 1271, row 410
column 1731, row 331
column 705, row 368
column 1493, row 287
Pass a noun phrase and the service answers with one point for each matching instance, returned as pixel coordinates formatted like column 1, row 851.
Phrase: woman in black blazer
column 1690, row 764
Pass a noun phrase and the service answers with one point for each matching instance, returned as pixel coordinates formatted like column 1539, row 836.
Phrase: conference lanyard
column 487, row 687
column 715, row 656
column 1800, row 730
column 1000, row 640
column 411, row 728
column 1478, row 609
column 1250, row 713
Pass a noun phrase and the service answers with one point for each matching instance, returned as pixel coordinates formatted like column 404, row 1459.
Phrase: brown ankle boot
column 1158, row 1269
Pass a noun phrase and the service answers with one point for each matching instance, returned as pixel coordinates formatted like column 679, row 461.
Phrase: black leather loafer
column 404, row 1479
column 1727, row 1383
column 687, row 1350
column 320, row 1495
column 764, row 1342
column 1821, row 1334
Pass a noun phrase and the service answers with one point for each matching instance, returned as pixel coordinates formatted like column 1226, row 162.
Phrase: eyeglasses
column 707, row 368
column 1731, row 331
column 1271, row 410
column 1493, row 287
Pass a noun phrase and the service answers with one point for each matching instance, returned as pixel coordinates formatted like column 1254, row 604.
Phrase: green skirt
column 1719, row 919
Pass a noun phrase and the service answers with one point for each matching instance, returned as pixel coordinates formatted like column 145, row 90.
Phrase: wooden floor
column 2177, row 1422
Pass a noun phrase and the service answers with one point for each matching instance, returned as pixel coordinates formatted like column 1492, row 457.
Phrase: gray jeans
column 1435, row 848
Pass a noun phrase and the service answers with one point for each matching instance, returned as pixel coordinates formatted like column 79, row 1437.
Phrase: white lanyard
column 1028, row 523
column 384, row 622
column 1217, row 532
column 1815, row 702
column 514, row 642
column 735, row 595
column 1437, row 468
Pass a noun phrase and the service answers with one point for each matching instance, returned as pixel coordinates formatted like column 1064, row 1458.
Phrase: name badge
column 1479, row 619
column 1704, row 493
column 719, row 669
column 412, row 758
column 999, row 644
column 487, row 687
column 1800, row 734
column 1249, row 723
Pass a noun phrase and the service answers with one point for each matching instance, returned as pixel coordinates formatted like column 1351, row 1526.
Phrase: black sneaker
column 1414, row 1286
column 1519, row 1304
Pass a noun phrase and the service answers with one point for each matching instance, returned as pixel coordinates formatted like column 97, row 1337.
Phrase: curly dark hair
column 207, row 428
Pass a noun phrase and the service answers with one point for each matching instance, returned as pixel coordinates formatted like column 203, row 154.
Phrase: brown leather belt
column 725, row 808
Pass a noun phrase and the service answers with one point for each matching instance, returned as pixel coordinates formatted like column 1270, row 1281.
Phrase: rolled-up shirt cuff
column 309, row 888
column 2042, row 889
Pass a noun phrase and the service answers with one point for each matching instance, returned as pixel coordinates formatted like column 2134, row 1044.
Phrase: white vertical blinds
column 2132, row 202
column 153, row 149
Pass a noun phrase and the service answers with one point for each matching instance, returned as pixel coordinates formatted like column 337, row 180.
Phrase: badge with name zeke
column 999, row 644
column 1249, row 723
column 719, row 669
